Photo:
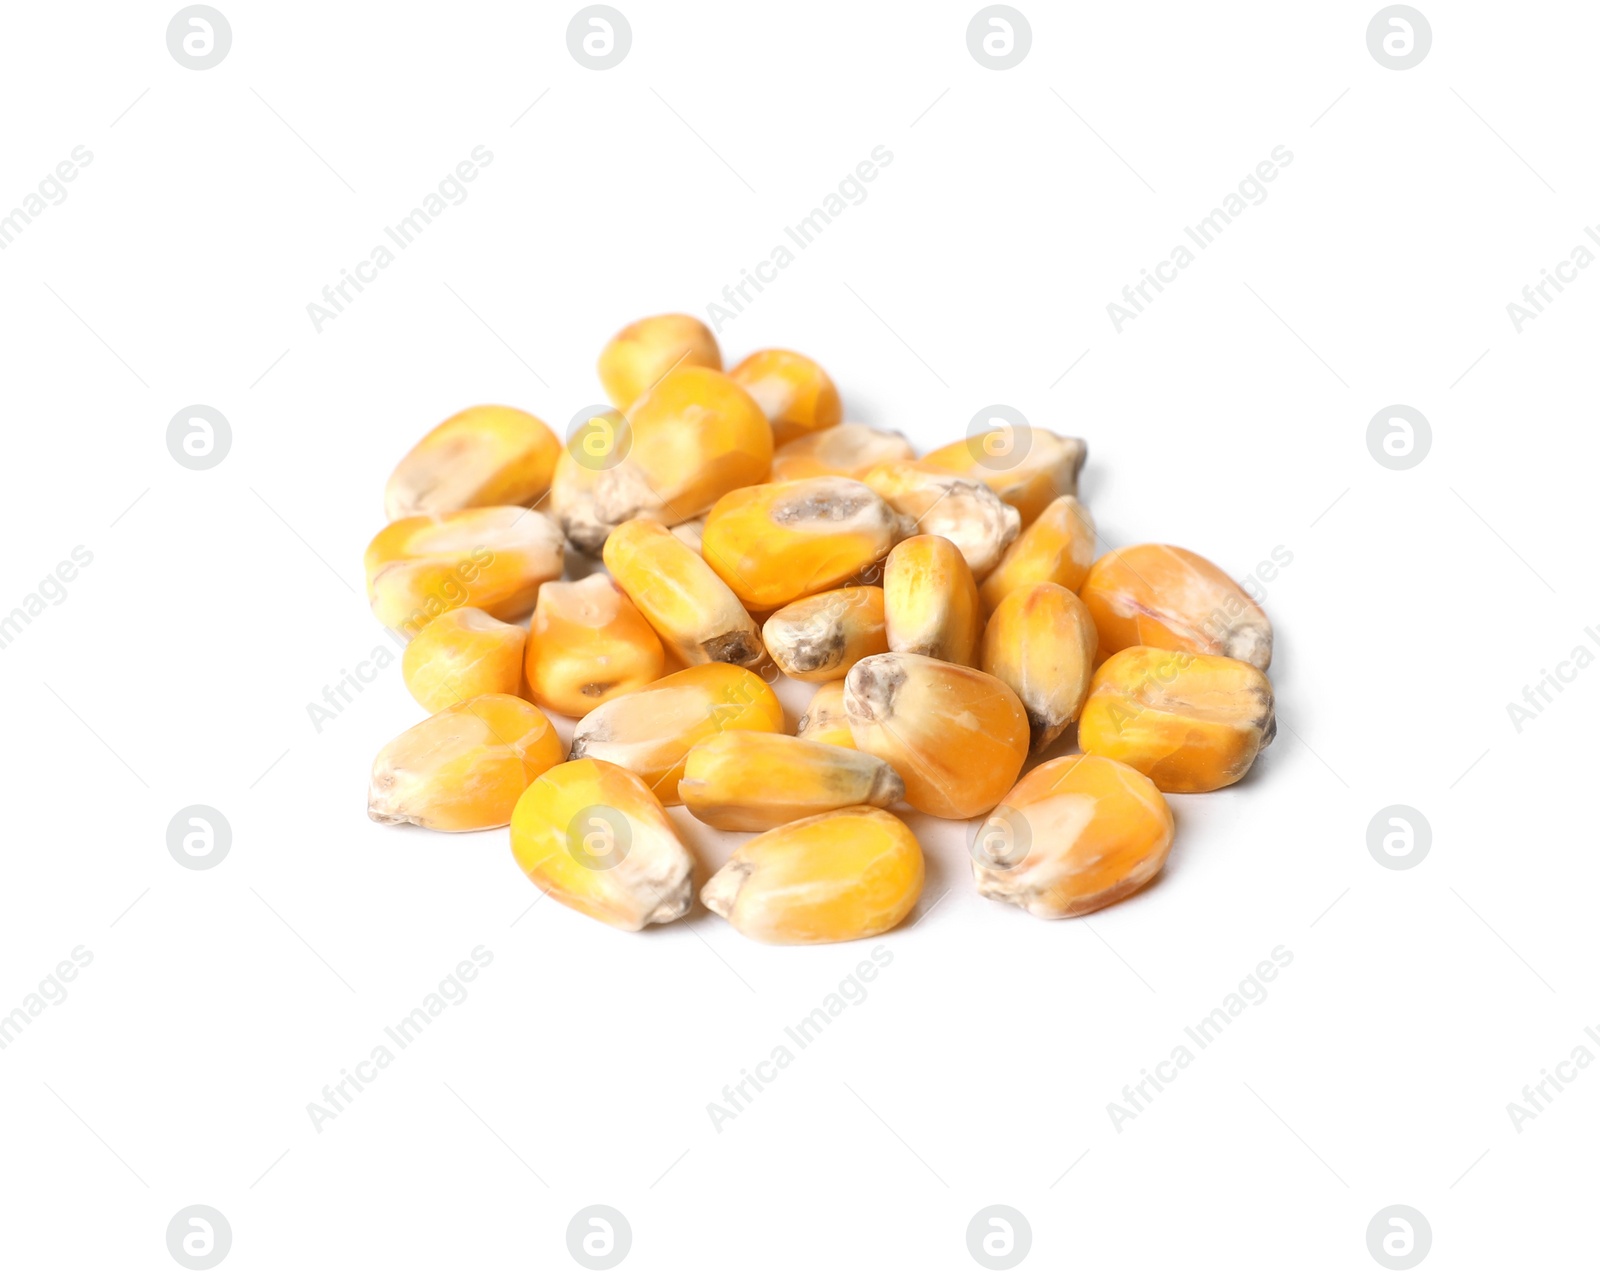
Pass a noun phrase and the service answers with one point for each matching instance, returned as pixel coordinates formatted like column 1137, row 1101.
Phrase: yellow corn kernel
column 593, row 837
column 691, row 437
column 962, row 511
column 698, row 617
column 778, row 542
column 1040, row 643
column 1025, row 466
column 1076, row 834
column 825, row 720
column 644, row 352
column 465, row 767
column 651, row 730
column 844, row 875
column 957, row 736
column 1058, row 546
column 1191, row 723
column 848, row 450
column 487, row 455
column 490, row 557
column 1161, row 596
column 758, row 780
column 818, row 639
column 462, row 654
column 593, row 446
column 587, row 644
column 793, row 391
column 930, row 601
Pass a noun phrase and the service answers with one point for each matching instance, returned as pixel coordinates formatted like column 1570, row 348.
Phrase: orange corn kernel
column 825, row 719
column 593, row 446
column 587, row 644
column 961, row 510
column 793, row 391
column 1025, row 466
column 1076, row 834
column 957, row 736
column 818, row 639
column 758, row 780
column 1040, row 643
column 1189, row 722
column 650, row 731
column 930, row 601
column 1161, row 596
column 487, row 455
column 462, row 654
column 490, row 557
column 1058, row 546
column 845, row 875
column 465, row 767
column 848, row 450
column 778, row 542
column 645, row 351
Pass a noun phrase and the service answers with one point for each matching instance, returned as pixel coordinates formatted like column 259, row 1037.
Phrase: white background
column 1230, row 418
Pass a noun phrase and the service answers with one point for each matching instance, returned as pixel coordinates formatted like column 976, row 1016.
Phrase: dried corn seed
column 645, row 351
column 1076, row 834
column 825, row 719
column 778, row 542
column 490, row 557
column 930, row 601
column 572, row 487
column 462, row 654
column 793, row 391
column 587, row 643
column 1040, row 643
column 1058, row 546
column 1191, row 723
column 844, row 875
column 848, row 450
column 697, row 616
column 1161, row 596
column 592, row 836
column 961, row 510
column 693, row 436
column 820, row 638
column 465, row 767
column 957, row 736
column 1025, row 466
column 487, row 455
column 651, row 730
column 758, row 780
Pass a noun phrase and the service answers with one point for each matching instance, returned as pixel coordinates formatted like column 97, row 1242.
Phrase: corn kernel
column 1191, row 723
column 1025, row 466
column 594, row 838
column 825, row 720
column 1058, row 546
column 651, row 730
column 848, row 450
column 645, row 351
column 1040, row 643
column 778, row 542
column 571, row 503
column 1161, row 596
column 462, row 654
column 487, row 455
column 957, row 736
column 489, row 557
column 758, row 780
column 691, row 437
column 961, row 510
column 818, row 639
column 844, row 875
column 465, row 767
column 793, row 391
column 1076, row 834
column 587, row 644
column 930, row 601
column 698, row 617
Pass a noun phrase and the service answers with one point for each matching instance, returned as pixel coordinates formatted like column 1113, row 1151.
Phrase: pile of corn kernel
column 951, row 610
